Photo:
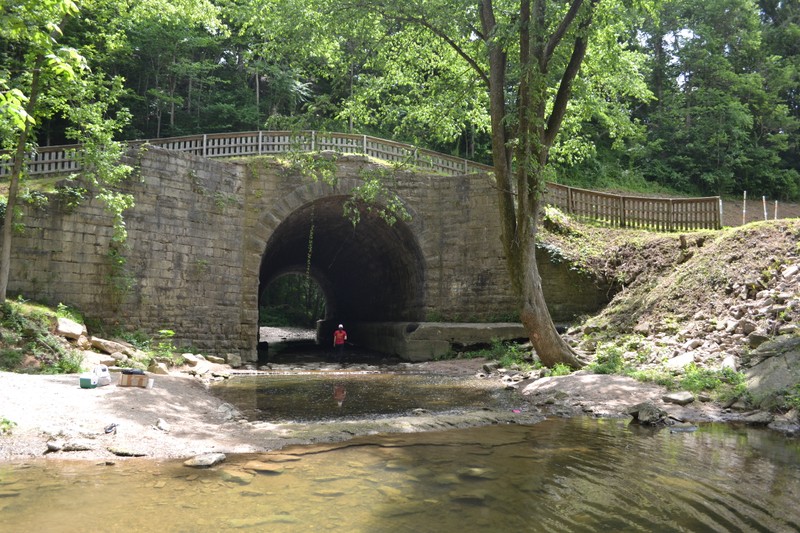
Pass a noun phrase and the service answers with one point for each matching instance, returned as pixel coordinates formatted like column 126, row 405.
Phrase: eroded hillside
column 705, row 297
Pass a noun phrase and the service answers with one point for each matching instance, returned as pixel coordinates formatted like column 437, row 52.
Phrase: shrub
column 70, row 196
column 793, row 397
column 65, row 311
column 560, row 369
column 609, row 361
column 10, row 358
column 25, row 329
column 726, row 383
column 6, row 425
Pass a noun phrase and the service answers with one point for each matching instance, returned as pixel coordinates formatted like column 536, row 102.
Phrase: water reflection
column 560, row 475
column 339, row 394
column 303, row 397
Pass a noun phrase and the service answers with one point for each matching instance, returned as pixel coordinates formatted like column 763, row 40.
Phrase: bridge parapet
column 61, row 159
column 661, row 214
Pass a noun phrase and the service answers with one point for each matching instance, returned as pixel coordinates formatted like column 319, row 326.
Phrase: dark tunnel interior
column 369, row 272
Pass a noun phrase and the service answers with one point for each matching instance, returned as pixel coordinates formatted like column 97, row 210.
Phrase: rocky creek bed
column 179, row 417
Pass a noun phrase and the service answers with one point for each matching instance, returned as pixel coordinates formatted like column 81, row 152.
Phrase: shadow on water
column 307, row 351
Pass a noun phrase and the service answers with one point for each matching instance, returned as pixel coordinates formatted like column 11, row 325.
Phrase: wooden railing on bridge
column 662, row 214
column 58, row 159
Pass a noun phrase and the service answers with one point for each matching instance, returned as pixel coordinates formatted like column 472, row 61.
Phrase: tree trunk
column 13, row 188
column 548, row 343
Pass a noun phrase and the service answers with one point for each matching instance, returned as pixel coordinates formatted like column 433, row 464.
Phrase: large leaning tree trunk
column 520, row 171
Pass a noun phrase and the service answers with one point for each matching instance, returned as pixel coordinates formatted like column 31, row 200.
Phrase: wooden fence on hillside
column 662, row 214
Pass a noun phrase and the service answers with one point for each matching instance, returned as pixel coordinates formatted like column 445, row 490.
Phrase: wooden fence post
column 570, row 207
column 622, row 218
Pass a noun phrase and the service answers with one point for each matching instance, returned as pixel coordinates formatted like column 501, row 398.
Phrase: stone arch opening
column 370, row 272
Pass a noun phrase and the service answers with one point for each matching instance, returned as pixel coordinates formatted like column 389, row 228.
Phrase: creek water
column 580, row 474
column 319, row 396
column 559, row 475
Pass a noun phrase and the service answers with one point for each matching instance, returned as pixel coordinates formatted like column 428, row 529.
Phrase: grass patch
column 26, row 338
column 507, row 354
column 792, row 398
column 158, row 347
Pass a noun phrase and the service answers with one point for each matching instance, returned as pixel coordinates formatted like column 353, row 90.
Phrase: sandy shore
column 179, row 417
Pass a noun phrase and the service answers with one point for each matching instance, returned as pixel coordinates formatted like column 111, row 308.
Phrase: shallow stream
column 559, row 475
column 579, row 475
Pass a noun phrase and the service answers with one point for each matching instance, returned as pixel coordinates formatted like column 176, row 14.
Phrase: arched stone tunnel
column 370, row 271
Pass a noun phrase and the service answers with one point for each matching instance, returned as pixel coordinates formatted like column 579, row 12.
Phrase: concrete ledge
column 423, row 341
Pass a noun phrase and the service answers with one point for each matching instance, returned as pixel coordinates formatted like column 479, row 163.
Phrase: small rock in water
column 264, row 468
column 478, row 473
column 647, row 414
column 205, row 460
column 125, row 452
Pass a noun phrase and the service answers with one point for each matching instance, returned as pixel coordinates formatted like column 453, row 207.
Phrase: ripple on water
column 561, row 475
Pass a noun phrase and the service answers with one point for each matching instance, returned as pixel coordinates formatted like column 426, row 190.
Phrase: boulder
column 69, row 328
column 679, row 398
column 778, row 370
column 158, row 368
column 790, row 271
column 760, row 418
column 647, row 414
column 729, row 362
column 205, row 460
column 491, row 366
column 191, row 359
column 83, row 343
column 234, row 360
column 107, row 346
column 680, row 361
column 757, row 338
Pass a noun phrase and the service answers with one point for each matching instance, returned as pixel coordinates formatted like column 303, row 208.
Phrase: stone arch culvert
column 370, row 271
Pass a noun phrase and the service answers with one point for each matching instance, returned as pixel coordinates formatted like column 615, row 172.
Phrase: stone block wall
column 198, row 234
column 182, row 259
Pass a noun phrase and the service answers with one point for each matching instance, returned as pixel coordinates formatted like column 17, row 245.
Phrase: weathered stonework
column 206, row 236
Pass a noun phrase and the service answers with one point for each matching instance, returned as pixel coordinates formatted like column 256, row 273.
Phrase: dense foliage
column 718, row 111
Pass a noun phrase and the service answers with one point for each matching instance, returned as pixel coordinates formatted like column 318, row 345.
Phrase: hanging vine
column 307, row 281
